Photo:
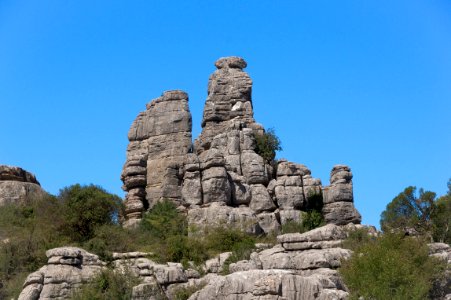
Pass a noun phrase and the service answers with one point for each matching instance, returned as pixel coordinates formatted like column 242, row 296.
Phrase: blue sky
column 364, row 83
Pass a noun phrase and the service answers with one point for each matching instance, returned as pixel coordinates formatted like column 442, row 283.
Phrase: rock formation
column 67, row 269
column 300, row 267
column 220, row 178
column 18, row 186
column 160, row 137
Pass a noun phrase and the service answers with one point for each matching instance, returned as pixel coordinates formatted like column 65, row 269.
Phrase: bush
column 390, row 267
column 267, row 144
column 310, row 220
column 27, row 231
column 112, row 238
column 86, row 208
column 163, row 221
column 108, row 285
column 183, row 293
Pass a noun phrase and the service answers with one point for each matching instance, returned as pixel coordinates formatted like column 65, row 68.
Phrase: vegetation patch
column 389, row 267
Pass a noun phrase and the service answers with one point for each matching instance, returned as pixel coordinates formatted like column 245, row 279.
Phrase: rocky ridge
column 220, row 178
column 18, row 186
column 300, row 266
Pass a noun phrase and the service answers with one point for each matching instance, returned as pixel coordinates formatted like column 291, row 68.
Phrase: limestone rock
column 18, row 186
column 341, row 213
column 222, row 165
column 216, row 186
column 328, row 232
column 67, row 269
column 160, row 137
column 338, row 198
column 261, row 200
column 218, row 214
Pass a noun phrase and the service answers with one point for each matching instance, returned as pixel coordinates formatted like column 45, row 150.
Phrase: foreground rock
column 220, row 173
column 66, row 270
column 18, row 186
column 279, row 272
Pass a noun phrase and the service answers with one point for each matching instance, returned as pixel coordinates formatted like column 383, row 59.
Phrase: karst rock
column 220, row 178
column 18, row 186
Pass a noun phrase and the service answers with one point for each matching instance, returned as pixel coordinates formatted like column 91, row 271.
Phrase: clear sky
column 363, row 83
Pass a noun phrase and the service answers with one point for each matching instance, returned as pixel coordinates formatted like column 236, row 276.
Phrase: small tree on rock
column 267, row 144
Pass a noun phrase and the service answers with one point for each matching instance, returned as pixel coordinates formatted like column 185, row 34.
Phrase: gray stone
column 192, row 188
column 218, row 214
column 261, row 201
column 289, row 197
column 68, row 269
column 329, row 232
column 338, row 192
column 269, row 222
column 18, row 186
column 167, row 274
column 216, row 186
column 341, row 213
column 160, row 138
column 253, row 168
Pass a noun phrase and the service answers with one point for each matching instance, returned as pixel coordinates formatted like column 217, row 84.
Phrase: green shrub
column 27, row 231
column 183, row 293
column 86, row 208
column 108, row 285
column 310, row 220
column 267, row 144
column 390, row 267
column 221, row 239
column 292, row 226
column 112, row 238
column 357, row 238
column 163, row 221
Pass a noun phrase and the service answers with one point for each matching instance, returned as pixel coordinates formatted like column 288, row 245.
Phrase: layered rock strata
column 338, row 198
column 66, row 270
column 220, row 178
column 160, row 137
column 18, row 186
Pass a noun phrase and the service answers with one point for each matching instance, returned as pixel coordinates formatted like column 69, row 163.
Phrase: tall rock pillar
column 160, row 137
column 338, row 198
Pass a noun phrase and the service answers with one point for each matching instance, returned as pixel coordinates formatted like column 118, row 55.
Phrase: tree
column 408, row 212
column 441, row 220
column 390, row 267
column 267, row 144
column 86, row 208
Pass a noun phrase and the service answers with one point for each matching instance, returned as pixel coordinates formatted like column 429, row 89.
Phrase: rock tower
column 220, row 178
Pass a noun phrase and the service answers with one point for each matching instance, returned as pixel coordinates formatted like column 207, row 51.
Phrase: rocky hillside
column 221, row 180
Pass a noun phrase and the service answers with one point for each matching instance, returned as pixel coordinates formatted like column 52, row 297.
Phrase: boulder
column 18, row 186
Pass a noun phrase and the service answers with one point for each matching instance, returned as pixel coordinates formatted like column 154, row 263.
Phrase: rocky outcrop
column 220, row 178
column 301, row 266
column 338, row 198
column 66, row 270
column 160, row 137
column 18, row 186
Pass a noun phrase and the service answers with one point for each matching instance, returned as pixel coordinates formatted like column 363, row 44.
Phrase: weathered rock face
column 301, row 266
column 160, row 137
column 18, row 186
column 67, row 269
column 220, row 178
column 338, row 198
